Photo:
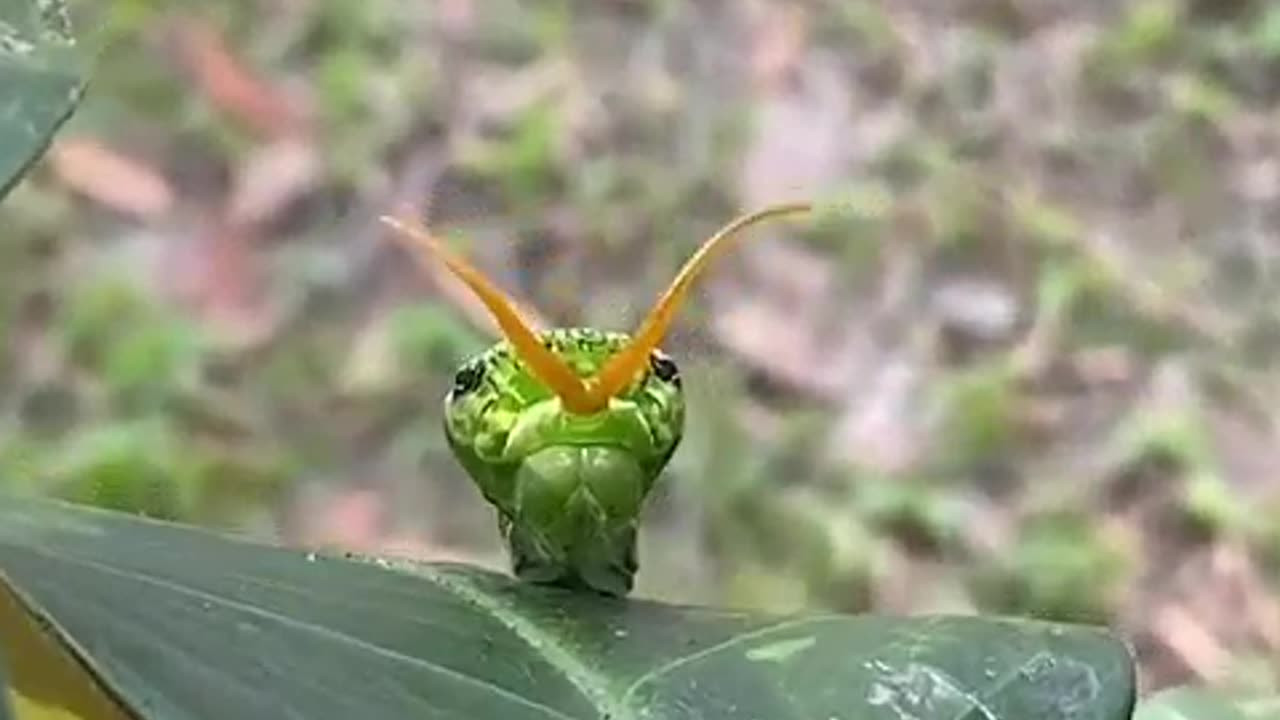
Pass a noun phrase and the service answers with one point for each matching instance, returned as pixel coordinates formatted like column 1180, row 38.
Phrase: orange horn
column 545, row 364
column 622, row 368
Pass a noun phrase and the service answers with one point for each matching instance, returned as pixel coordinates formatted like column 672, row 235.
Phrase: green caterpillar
column 565, row 431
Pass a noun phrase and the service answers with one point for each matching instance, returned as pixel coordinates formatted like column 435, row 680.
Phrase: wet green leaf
column 182, row 624
column 41, row 78
column 42, row 678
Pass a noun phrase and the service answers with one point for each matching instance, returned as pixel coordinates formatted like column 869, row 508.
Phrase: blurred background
column 1033, row 370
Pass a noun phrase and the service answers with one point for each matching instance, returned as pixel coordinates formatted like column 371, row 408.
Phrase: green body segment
column 568, row 489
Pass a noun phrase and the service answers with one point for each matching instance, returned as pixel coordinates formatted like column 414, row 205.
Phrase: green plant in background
column 143, row 351
column 121, row 430
column 1062, row 568
column 1265, row 34
column 123, row 466
column 523, row 163
column 978, row 413
column 1179, row 438
column 1147, row 33
column 428, row 339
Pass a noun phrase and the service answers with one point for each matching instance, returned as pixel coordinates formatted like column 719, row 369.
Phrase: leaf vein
column 593, row 685
column 679, row 662
column 326, row 633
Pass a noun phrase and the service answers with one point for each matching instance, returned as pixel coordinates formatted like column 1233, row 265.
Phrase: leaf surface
column 41, row 81
column 182, row 623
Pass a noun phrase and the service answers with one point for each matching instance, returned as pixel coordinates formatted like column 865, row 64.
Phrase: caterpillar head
column 565, row 431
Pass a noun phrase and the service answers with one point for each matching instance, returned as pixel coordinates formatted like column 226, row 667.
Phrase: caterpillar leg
column 606, row 563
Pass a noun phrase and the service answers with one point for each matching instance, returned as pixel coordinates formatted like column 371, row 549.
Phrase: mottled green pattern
column 568, row 488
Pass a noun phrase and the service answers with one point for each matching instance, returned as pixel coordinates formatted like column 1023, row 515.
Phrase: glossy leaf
column 46, row 680
column 185, row 624
column 41, row 80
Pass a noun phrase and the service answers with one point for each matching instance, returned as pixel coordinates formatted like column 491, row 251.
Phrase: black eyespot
column 468, row 379
column 665, row 368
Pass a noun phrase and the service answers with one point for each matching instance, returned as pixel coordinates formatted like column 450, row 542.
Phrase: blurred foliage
column 1047, row 309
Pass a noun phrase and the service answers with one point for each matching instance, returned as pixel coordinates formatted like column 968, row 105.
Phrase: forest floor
column 1032, row 369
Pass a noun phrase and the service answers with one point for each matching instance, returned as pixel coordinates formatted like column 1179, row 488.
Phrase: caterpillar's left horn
column 542, row 362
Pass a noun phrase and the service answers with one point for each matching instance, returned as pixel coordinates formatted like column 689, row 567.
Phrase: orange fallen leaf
column 109, row 178
column 231, row 84
column 780, row 41
column 272, row 177
column 218, row 277
column 350, row 520
column 1191, row 641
